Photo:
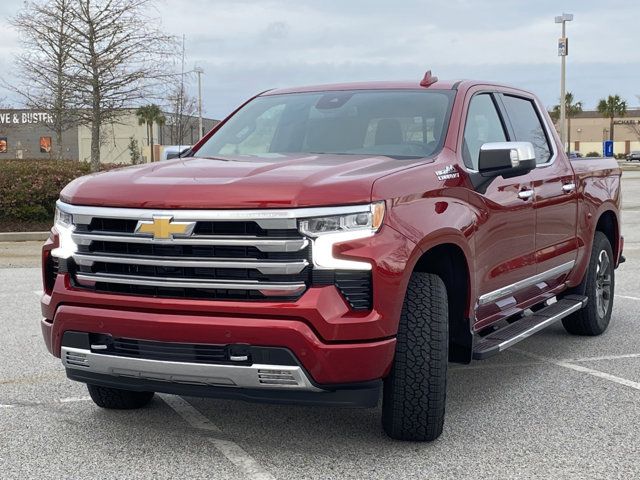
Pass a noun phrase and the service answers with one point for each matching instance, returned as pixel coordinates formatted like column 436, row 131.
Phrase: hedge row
column 30, row 188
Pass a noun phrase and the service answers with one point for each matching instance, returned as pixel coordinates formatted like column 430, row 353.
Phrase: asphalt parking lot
column 555, row 406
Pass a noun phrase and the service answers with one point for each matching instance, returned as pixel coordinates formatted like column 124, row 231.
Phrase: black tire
column 415, row 391
column 598, row 286
column 114, row 398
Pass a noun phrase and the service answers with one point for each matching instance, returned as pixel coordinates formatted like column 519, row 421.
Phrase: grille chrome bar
column 266, row 288
column 273, row 268
column 261, row 243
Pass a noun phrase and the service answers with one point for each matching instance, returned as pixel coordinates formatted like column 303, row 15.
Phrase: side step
column 506, row 337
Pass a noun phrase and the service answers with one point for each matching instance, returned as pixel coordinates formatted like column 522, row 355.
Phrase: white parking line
column 580, row 368
column 74, row 399
column 627, row 297
column 50, row 402
column 231, row 450
column 604, row 357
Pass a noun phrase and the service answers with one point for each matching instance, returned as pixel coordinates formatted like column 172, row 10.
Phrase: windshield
column 384, row 122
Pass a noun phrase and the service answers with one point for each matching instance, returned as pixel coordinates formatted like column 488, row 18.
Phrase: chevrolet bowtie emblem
column 163, row 228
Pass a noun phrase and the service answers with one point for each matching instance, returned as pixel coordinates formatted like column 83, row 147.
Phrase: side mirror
column 179, row 154
column 506, row 159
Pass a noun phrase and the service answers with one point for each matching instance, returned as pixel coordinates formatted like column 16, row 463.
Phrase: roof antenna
column 428, row 79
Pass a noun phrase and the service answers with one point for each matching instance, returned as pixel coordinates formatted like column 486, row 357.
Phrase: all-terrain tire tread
column 415, row 391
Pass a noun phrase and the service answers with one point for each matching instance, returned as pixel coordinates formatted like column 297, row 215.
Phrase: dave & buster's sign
column 24, row 118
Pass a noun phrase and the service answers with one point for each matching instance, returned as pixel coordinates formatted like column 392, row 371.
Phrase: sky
column 247, row 46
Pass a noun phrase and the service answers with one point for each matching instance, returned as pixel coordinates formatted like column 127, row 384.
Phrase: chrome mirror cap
column 518, row 151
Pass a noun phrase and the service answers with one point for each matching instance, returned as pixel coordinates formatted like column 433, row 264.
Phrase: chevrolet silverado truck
column 331, row 245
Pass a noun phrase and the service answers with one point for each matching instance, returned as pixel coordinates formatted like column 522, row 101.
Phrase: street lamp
column 563, row 51
column 199, row 71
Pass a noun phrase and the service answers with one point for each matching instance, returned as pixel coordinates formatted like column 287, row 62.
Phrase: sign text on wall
column 23, row 118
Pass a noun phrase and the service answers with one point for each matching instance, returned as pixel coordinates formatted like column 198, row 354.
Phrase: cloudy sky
column 246, row 46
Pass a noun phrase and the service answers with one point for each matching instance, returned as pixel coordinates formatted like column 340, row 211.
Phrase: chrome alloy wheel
column 603, row 283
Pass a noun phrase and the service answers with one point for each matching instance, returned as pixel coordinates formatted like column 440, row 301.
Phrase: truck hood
column 275, row 181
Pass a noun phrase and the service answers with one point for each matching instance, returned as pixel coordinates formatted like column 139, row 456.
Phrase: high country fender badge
column 447, row 173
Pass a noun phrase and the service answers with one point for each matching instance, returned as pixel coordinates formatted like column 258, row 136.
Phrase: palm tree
column 571, row 110
column 150, row 115
column 612, row 106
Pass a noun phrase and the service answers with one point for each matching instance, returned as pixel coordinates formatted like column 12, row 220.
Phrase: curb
column 23, row 236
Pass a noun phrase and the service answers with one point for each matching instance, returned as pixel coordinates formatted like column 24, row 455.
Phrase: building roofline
column 631, row 112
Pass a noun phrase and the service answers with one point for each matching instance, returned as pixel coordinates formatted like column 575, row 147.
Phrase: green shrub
column 593, row 154
column 30, row 188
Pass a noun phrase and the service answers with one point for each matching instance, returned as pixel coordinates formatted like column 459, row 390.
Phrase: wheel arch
column 609, row 225
column 449, row 262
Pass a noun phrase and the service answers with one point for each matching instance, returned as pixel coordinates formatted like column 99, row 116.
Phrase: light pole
column 199, row 71
column 563, row 51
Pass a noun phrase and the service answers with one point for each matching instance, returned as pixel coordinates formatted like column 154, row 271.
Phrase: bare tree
column 120, row 57
column 183, row 108
column 45, row 65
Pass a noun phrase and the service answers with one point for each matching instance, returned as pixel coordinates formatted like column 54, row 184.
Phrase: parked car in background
column 575, row 155
column 633, row 156
column 331, row 245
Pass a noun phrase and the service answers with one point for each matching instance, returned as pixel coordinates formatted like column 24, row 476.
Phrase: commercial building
column 27, row 134
column 589, row 129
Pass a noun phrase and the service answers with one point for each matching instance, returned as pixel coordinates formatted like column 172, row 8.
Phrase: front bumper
column 334, row 345
column 286, row 377
column 283, row 381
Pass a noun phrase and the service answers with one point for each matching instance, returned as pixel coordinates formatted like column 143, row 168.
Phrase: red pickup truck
column 329, row 244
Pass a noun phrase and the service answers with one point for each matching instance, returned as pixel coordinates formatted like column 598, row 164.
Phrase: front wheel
column 415, row 391
column 598, row 286
column 115, row 398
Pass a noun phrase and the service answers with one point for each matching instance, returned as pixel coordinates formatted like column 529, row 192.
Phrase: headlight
column 370, row 220
column 63, row 218
column 330, row 230
column 63, row 222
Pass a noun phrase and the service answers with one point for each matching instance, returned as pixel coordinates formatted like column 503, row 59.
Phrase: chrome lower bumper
column 274, row 377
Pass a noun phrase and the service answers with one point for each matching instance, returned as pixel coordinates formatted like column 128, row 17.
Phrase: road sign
column 563, row 47
column 607, row 148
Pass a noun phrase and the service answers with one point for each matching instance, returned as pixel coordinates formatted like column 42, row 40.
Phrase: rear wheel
column 414, row 397
column 598, row 286
column 114, row 398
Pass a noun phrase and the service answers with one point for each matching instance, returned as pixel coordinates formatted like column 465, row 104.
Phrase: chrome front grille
column 221, row 258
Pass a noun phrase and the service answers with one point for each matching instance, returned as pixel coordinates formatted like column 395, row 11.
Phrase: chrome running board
column 510, row 335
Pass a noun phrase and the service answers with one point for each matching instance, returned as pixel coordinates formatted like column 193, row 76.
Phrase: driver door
column 504, row 240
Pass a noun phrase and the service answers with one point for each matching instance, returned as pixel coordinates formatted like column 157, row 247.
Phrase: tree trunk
column 59, row 143
column 611, row 130
column 96, row 99
column 95, row 142
column 151, row 141
column 568, row 134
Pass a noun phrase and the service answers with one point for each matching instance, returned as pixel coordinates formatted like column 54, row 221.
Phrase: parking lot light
column 563, row 51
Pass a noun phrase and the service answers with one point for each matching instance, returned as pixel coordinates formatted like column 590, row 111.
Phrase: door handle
column 525, row 194
column 568, row 187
